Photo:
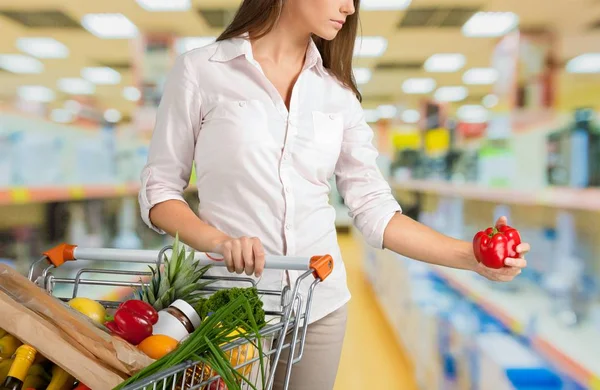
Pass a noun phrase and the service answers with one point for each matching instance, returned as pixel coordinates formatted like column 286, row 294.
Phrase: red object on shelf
column 471, row 130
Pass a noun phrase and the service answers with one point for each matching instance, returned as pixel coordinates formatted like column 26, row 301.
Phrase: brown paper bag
column 114, row 351
column 47, row 339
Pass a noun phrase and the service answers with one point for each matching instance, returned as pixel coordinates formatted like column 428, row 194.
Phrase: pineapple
column 180, row 279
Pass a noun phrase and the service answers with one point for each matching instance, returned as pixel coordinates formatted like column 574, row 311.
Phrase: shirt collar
column 230, row 49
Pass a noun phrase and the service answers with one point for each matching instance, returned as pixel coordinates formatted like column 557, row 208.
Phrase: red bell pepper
column 133, row 321
column 493, row 246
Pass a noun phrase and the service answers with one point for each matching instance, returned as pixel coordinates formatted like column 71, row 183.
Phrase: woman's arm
column 412, row 239
column 167, row 174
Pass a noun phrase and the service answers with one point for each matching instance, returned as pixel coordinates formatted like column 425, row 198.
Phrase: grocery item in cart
column 19, row 368
column 178, row 320
column 133, row 321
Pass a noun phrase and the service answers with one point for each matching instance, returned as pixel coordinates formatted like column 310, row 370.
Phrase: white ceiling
column 569, row 20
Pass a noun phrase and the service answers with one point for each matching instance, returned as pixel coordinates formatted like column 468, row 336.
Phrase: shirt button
column 242, row 104
column 331, row 116
column 286, row 156
column 288, row 226
column 287, row 189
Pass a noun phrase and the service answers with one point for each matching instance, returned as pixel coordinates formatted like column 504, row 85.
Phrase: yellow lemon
column 90, row 308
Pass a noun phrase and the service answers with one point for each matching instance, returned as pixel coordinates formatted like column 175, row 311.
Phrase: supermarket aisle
column 386, row 366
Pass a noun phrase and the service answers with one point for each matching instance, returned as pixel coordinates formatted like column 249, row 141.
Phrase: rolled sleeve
column 171, row 153
column 360, row 182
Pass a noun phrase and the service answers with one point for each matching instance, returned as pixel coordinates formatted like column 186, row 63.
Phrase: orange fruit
column 158, row 345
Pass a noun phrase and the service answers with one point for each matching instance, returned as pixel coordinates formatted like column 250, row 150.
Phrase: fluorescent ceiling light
column 111, row 115
column 165, row 5
column 480, row 76
column 472, row 113
column 445, row 62
column 387, row 111
column 451, row 94
column 61, row 115
column 411, row 116
column 101, row 75
column 18, row 63
column 132, row 94
column 585, row 63
column 186, row 44
column 36, row 93
column 42, row 47
column 384, row 5
column 362, row 75
column 490, row 24
column 418, row 85
column 490, row 100
column 370, row 46
column 371, row 116
column 76, row 86
column 73, row 106
column 109, row 26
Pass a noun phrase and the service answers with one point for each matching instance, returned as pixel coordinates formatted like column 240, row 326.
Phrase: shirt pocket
column 328, row 129
column 237, row 122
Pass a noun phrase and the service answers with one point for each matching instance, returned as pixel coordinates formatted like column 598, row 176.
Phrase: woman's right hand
column 245, row 254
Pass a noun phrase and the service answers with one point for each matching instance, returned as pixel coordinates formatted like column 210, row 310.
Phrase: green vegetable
column 222, row 298
column 204, row 345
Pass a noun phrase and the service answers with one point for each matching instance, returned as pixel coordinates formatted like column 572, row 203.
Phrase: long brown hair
column 259, row 17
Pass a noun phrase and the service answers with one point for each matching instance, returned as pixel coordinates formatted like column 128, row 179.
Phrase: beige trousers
column 319, row 365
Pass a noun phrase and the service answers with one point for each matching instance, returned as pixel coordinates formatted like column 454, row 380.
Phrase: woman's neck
column 285, row 43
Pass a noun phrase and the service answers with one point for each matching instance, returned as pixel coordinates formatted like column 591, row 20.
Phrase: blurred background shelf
column 527, row 313
column 561, row 197
column 23, row 195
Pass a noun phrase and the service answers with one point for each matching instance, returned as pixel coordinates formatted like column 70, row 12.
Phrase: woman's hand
column 245, row 254
column 513, row 266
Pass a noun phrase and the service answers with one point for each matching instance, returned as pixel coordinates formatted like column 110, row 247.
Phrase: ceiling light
column 445, row 62
column 73, row 106
column 76, row 86
column 43, row 47
column 480, row 76
column 132, row 94
column 165, row 5
column 418, row 85
column 371, row 116
column 387, row 111
column 18, row 63
column 109, row 26
column 36, row 93
column 362, row 75
column 472, row 113
column 111, row 115
column 370, row 46
column 451, row 94
column 101, row 75
column 585, row 63
column 490, row 24
column 490, row 100
column 384, row 5
column 61, row 115
column 186, row 44
column 411, row 116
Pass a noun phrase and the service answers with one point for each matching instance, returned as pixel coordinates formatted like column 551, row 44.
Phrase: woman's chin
column 327, row 35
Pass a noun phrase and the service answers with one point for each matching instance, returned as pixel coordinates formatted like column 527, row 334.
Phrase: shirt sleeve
column 171, row 153
column 359, row 180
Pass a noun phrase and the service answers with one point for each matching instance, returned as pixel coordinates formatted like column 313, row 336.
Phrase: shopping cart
column 286, row 332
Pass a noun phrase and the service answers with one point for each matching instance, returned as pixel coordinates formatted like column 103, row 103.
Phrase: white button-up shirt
column 265, row 171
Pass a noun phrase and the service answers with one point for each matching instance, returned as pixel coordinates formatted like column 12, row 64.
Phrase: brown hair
column 258, row 17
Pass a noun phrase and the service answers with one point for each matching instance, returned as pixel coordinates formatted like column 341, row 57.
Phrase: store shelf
column 574, row 350
column 22, row 195
column 561, row 197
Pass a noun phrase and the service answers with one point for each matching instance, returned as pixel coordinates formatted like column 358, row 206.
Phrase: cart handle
column 321, row 266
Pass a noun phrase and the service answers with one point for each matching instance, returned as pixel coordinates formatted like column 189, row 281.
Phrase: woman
column 268, row 114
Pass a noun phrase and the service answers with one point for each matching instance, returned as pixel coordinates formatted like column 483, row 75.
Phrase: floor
column 385, row 366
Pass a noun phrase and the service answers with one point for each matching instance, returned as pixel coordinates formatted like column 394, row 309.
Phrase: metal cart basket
column 286, row 329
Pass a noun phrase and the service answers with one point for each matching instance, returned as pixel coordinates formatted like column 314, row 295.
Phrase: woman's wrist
column 467, row 257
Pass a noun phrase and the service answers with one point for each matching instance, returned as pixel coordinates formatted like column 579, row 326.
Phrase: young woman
column 268, row 114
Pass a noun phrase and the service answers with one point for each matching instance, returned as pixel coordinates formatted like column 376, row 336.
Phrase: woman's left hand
column 513, row 266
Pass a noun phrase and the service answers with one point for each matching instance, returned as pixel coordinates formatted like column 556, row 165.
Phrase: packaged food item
column 178, row 320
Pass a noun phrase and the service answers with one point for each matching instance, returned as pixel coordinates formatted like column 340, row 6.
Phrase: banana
column 61, row 380
column 8, row 346
column 4, row 368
